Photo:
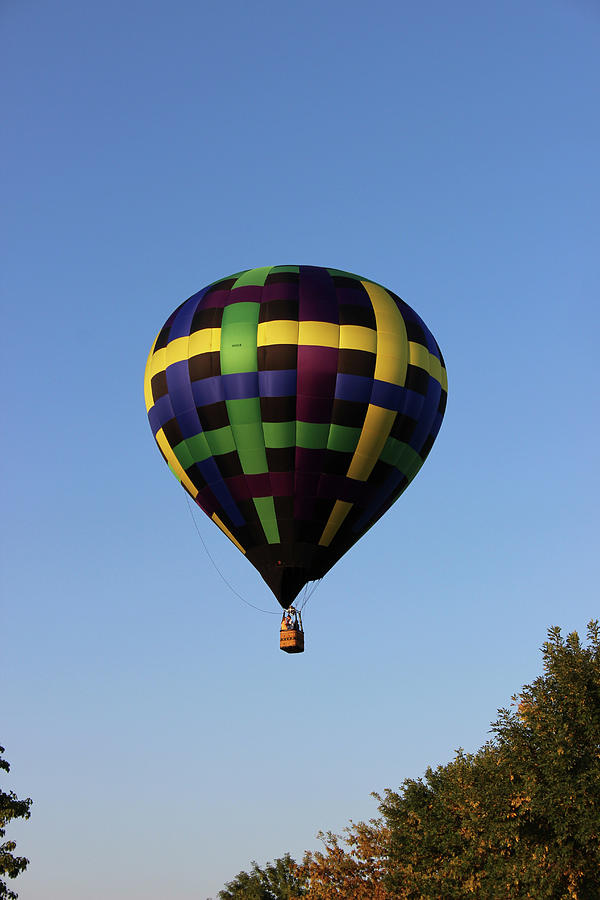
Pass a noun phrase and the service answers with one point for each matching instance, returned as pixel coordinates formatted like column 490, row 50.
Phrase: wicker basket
column 291, row 640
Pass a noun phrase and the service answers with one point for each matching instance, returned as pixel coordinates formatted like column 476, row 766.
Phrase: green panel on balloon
column 343, row 438
column 196, row 448
column 312, row 435
column 402, row 456
column 245, row 412
column 266, row 513
column 250, row 446
column 220, row 440
column 253, row 277
column 238, row 338
column 183, row 455
column 279, row 434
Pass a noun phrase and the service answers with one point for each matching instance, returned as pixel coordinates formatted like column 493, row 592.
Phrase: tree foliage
column 520, row 818
column 351, row 867
column 10, row 808
column 278, row 880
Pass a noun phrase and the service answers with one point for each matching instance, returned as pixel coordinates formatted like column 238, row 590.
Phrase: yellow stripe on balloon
column 391, row 363
column 392, row 342
column 357, row 337
column 318, row 334
column 227, row 532
column 204, row 341
column 207, row 340
column 375, row 432
column 336, row 517
column 174, row 463
column 158, row 363
column 279, row 331
column 437, row 371
column 148, row 379
column 443, row 379
column 418, row 355
column 177, row 350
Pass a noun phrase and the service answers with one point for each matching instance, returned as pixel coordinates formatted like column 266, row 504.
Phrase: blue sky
column 447, row 151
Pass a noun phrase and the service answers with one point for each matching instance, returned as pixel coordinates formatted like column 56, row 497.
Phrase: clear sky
column 447, row 150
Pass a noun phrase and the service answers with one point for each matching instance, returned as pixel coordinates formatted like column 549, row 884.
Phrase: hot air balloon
column 294, row 404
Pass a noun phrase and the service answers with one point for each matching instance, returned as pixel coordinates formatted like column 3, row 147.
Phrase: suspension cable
column 268, row 612
column 308, row 592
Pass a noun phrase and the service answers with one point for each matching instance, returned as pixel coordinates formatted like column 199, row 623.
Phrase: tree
column 10, row 808
column 521, row 817
column 279, row 880
column 351, row 867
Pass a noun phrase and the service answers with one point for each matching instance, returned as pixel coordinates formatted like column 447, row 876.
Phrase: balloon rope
column 308, row 592
column 269, row 612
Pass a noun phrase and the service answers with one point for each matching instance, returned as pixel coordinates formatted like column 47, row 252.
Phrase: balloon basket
column 291, row 641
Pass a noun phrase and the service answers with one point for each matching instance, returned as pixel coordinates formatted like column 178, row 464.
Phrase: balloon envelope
column 295, row 404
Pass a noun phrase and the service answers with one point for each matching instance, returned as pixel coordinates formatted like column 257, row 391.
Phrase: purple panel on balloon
column 389, row 396
column 356, row 388
column 353, row 296
column 189, row 423
column 281, row 383
column 246, row 293
column 341, row 488
column 239, row 488
column 240, row 386
column 306, row 485
column 160, row 413
column 318, row 300
column 304, row 508
column 412, row 404
column 436, row 425
column 183, row 320
column 428, row 414
column 259, row 485
column 282, row 290
column 216, row 299
column 208, row 501
column 199, row 500
column 179, row 386
column 211, row 474
column 317, row 371
column 409, row 315
column 380, row 496
column 208, row 390
column 308, row 460
column 282, row 484
column 313, row 409
column 245, row 487
column 429, row 338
